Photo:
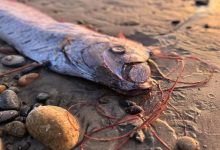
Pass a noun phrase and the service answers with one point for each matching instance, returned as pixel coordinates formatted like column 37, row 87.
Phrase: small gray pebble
column 15, row 128
column 25, row 109
column 42, row 97
column 7, row 115
column 13, row 61
column 9, row 100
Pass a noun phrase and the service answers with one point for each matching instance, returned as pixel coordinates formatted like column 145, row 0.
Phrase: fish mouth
column 137, row 73
column 136, row 77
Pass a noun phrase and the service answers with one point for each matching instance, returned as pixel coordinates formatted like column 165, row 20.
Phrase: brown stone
column 54, row 127
column 2, row 88
column 27, row 79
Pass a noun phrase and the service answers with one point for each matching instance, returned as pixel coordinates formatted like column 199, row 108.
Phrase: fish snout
column 137, row 73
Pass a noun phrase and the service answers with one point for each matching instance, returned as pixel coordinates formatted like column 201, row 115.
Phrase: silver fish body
column 74, row 50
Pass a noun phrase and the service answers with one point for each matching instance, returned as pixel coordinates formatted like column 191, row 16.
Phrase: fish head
column 127, row 67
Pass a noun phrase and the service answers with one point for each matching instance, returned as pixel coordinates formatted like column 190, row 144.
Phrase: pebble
column 15, row 89
column 25, row 109
column 42, row 97
column 15, row 128
column 126, row 103
column 27, row 79
column 133, row 110
column 54, row 127
column 7, row 115
column 9, row 100
column 13, row 61
column 139, row 136
column 187, row 143
column 2, row 88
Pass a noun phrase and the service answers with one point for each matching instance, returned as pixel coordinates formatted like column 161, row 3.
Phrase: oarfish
column 74, row 50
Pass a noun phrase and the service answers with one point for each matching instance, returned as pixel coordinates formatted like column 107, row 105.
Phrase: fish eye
column 118, row 49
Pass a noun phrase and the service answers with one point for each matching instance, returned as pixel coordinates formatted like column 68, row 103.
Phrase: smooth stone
column 133, row 110
column 2, row 88
column 165, row 132
column 42, row 97
column 25, row 109
column 7, row 115
column 27, row 79
column 13, row 61
column 187, row 143
column 9, row 100
column 54, row 127
column 15, row 128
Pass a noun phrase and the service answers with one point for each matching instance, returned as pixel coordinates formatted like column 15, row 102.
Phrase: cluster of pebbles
column 53, row 126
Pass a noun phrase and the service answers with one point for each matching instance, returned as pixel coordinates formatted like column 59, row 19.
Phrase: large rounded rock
column 13, row 61
column 54, row 127
column 9, row 100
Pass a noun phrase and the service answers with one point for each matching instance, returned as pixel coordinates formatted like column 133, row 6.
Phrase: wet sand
column 178, row 26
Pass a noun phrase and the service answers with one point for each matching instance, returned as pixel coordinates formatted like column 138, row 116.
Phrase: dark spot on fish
column 175, row 22
column 201, row 2
column 129, row 23
column 10, row 33
column 206, row 26
column 27, row 41
column 188, row 27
